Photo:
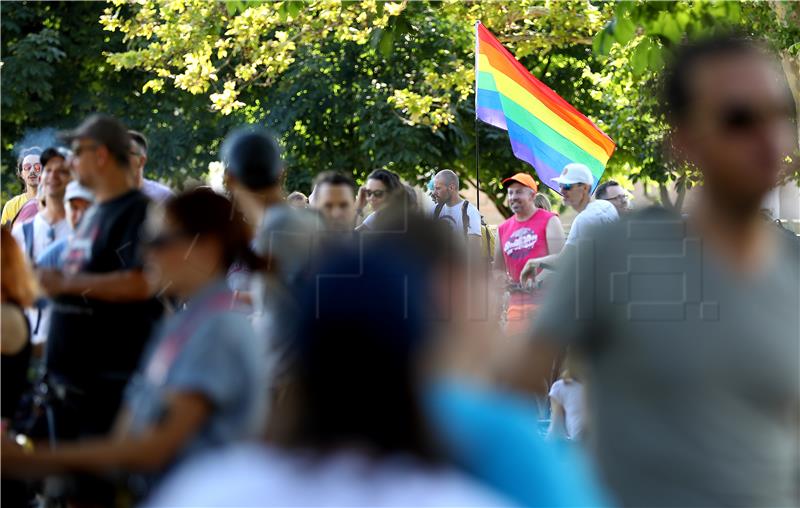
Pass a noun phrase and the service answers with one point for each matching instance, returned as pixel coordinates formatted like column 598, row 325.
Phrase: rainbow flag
column 544, row 129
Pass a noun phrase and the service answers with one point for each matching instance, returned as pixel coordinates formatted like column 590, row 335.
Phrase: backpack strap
column 27, row 233
column 465, row 217
column 438, row 210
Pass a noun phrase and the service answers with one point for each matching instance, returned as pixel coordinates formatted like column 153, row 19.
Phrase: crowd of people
column 374, row 345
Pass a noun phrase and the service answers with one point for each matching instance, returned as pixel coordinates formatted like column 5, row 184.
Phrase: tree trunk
column 663, row 191
column 788, row 13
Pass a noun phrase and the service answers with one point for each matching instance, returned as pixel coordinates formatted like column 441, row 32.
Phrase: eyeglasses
column 80, row 148
column 742, row 118
column 36, row 167
column 375, row 193
column 621, row 197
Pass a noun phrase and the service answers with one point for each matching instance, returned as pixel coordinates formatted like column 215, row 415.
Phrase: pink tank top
column 521, row 241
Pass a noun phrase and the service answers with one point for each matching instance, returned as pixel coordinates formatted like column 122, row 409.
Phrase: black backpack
column 487, row 238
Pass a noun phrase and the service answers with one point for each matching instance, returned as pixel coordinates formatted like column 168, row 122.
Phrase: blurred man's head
column 521, row 190
column 575, row 183
column 613, row 192
column 732, row 116
column 253, row 170
column 100, row 147
column 138, row 154
column 335, row 198
column 55, row 173
column 445, row 187
column 77, row 199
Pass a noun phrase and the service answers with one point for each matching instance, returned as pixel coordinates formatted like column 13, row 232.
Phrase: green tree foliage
column 356, row 85
column 55, row 73
column 634, row 46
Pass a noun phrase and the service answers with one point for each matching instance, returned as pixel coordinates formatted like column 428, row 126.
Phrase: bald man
column 459, row 213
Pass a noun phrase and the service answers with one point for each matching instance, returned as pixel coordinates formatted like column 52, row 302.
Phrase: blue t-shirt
column 211, row 349
column 494, row 436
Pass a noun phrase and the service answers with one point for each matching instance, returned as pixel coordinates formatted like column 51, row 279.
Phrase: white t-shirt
column 258, row 475
column 43, row 234
column 570, row 396
column 453, row 215
column 597, row 212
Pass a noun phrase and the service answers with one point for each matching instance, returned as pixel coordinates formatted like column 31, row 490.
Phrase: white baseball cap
column 575, row 173
column 76, row 190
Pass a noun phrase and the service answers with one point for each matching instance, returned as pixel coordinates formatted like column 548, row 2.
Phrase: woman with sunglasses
column 381, row 185
column 29, row 168
column 200, row 383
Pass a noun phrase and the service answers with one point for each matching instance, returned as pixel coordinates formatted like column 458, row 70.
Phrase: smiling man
column 528, row 234
column 29, row 168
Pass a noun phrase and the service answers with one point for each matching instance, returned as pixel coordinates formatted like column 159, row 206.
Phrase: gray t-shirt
column 210, row 349
column 693, row 371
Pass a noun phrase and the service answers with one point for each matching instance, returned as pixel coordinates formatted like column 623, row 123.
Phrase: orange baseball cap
column 523, row 178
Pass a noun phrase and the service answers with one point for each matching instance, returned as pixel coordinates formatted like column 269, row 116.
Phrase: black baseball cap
column 104, row 130
column 253, row 157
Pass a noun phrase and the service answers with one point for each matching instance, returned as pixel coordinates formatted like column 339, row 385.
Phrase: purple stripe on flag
column 492, row 117
column 543, row 170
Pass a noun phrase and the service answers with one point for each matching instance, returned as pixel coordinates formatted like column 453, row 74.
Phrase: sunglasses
column 374, row 193
column 36, row 167
column 743, row 118
column 568, row 186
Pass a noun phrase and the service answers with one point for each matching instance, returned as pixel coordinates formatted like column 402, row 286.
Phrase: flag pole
column 477, row 151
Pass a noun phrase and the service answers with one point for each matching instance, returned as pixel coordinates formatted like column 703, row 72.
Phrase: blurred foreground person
column 352, row 430
column 17, row 292
column 425, row 410
column 29, row 167
column 201, row 384
column 103, row 311
column 284, row 236
column 689, row 326
column 253, row 172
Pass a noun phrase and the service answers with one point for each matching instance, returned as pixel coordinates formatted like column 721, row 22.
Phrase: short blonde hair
column 541, row 201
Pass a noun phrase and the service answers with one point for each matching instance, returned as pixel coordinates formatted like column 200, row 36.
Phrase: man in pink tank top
column 530, row 233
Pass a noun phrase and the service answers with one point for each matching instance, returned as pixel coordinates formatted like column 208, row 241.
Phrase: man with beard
column 528, row 234
column 29, row 168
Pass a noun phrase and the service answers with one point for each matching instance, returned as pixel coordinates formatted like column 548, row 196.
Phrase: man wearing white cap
column 77, row 199
column 576, row 182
